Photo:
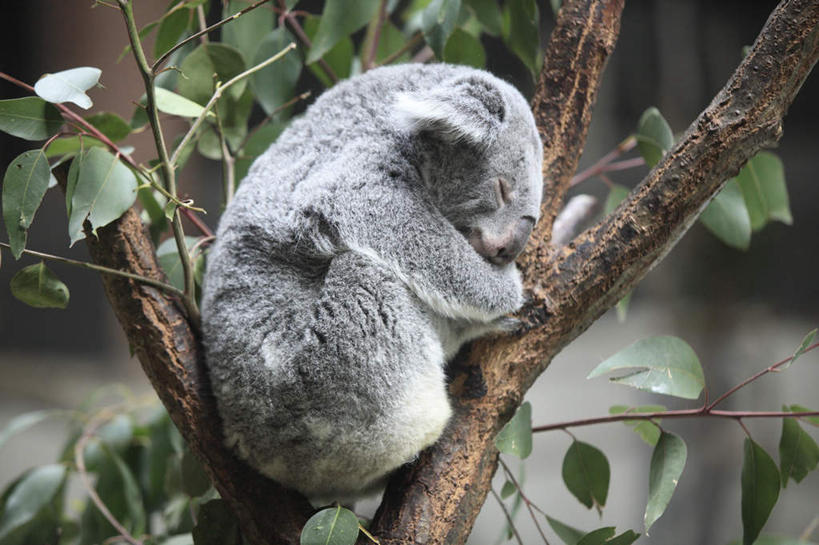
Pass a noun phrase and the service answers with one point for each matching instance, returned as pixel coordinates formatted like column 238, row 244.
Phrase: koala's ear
column 470, row 108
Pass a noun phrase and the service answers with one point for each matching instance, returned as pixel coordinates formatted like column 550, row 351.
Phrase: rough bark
column 437, row 499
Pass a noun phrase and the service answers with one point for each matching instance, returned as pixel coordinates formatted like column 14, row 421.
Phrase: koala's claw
column 507, row 324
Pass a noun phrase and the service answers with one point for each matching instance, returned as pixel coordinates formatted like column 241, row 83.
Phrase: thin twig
column 204, row 31
column 220, row 88
column 374, row 33
column 203, row 228
column 203, row 23
column 685, row 413
column 806, row 533
column 529, row 504
column 508, row 516
column 416, row 39
column 172, row 290
column 228, row 175
column 600, row 166
column 749, row 380
column 79, row 459
column 291, row 20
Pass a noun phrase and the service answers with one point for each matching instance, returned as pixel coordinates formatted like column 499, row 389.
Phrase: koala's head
column 481, row 160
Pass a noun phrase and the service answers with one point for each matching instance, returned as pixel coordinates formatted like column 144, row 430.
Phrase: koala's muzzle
column 504, row 248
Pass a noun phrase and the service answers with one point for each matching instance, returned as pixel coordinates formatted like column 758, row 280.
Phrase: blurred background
column 740, row 311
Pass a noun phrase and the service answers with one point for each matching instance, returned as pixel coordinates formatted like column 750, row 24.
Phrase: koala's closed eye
column 503, row 193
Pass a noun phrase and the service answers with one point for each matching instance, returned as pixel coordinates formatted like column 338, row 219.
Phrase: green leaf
column 30, row 118
column 275, row 84
column 569, row 535
column 463, row 48
column 438, row 20
column 803, row 347
column 104, row 190
column 760, row 490
column 667, row 366
column 654, row 136
column 762, row 181
column 168, row 256
column 798, row 452
column 516, row 436
column 338, row 20
column 68, row 86
column 171, row 28
column 555, row 5
column 30, row 496
column 508, row 489
column 488, row 14
column 216, row 525
column 812, row 420
column 392, row 39
column 646, row 429
column 626, row 538
column 111, row 125
column 246, row 32
column 170, row 103
column 38, row 287
column 586, row 474
column 24, row 185
column 524, row 33
column 339, row 58
column 132, row 494
column 597, row 537
column 332, row 526
column 23, row 422
column 195, row 481
column 256, row 144
column 726, row 216
column 208, row 64
column 617, row 193
column 667, row 464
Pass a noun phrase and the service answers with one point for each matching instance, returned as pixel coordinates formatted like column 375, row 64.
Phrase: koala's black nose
column 503, row 249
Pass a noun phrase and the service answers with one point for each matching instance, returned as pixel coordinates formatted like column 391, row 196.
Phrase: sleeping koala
column 374, row 238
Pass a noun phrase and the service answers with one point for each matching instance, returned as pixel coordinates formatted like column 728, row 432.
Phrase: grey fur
column 347, row 270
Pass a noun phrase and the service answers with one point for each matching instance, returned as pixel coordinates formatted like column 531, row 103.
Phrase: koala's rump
column 341, row 391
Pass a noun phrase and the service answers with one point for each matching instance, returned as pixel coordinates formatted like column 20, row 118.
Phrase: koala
column 365, row 246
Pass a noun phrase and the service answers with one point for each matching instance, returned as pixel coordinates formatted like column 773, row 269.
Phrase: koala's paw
column 506, row 324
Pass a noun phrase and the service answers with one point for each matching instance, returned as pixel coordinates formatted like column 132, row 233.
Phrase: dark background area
column 741, row 311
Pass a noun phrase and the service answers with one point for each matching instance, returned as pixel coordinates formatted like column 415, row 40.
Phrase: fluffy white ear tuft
column 471, row 109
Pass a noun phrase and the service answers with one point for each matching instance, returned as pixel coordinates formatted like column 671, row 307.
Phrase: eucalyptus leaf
column 111, row 125
column 667, row 464
column 488, row 14
column 812, row 420
column 331, row 526
column 617, row 193
column 104, row 190
column 508, row 489
column 626, row 538
column 516, row 436
column 597, row 537
column 171, row 103
column 132, row 494
column 339, row 58
column 760, row 490
column 654, row 136
column 807, row 340
column 68, row 86
column 24, row 185
column 666, row 365
column 762, row 181
column 586, row 474
column 726, row 216
column 171, row 29
column 23, row 422
column 338, row 20
column 30, row 118
column 798, row 452
column 29, row 497
column 438, row 22
column 207, row 64
column 463, row 48
column 168, row 256
column 524, row 33
column 247, row 32
column 38, row 287
column 648, row 430
column 569, row 535
column 195, row 481
column 275, row 84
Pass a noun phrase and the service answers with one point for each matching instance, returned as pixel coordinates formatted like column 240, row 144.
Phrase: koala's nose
column 503, row 249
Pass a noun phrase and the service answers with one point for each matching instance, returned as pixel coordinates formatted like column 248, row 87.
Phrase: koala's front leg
column 438, row 264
